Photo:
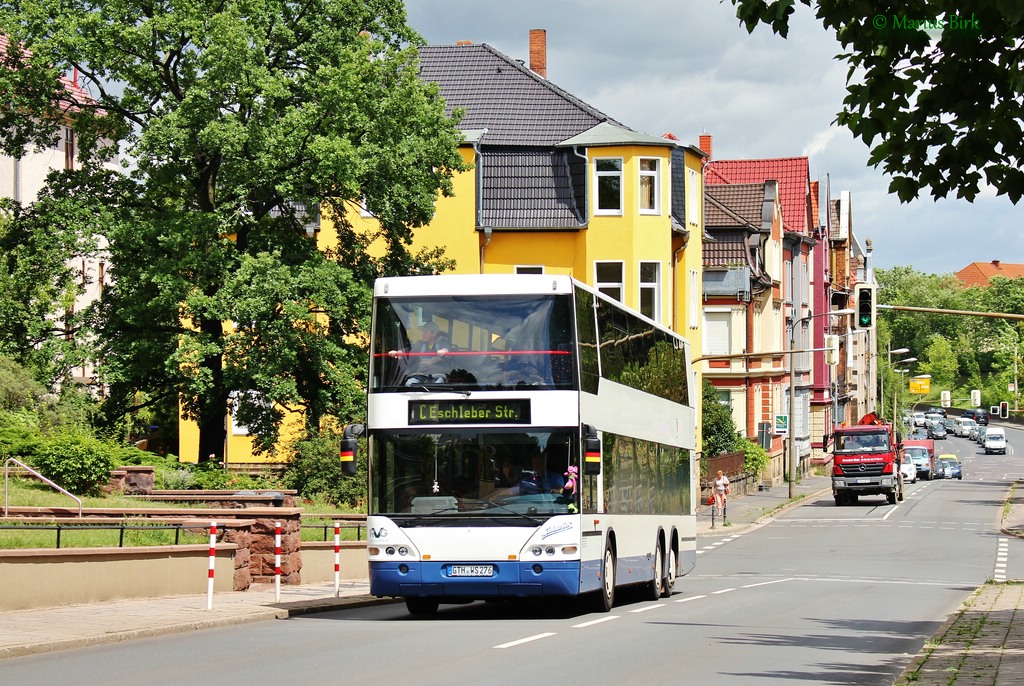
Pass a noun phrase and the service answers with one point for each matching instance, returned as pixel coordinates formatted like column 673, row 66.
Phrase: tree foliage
column 934, row 87
column 719, row 435
column 239, row 120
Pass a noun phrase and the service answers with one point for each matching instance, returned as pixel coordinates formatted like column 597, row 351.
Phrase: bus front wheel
column 605, row 596
column 422, row 606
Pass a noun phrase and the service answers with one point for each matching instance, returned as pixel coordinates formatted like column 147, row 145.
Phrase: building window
column 529, row 269
column 724, row 398
column 69, row 148
column 694, row 298
column 650, row 290
column 717, row 333
column 650, row 186
column 609, row 185
column 608, row 278
column 692, row 197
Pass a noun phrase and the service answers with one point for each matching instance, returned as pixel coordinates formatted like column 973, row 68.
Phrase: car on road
column 995, row 440
column 963, row 426
column 921, row 459
column 919, row 419
column 950, row 468
column 941, row 411
column 978, row 415
column 979, row 437
column 919, row 434
column 950, row 424
column 908, row 469
column 936, row 430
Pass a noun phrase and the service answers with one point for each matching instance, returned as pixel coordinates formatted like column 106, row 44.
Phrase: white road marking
column 646, row 608
column 686, row 600
column 724, row 590
column 584, row 625
column 521, row 641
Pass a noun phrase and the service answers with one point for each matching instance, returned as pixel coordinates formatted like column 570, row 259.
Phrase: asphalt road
column 821, row 595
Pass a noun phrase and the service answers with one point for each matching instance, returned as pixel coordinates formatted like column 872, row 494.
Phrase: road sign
column 781, row 425
column 920, row 386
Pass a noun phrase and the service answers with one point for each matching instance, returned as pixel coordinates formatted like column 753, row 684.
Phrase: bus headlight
column 403, row 551
column 550, row 550
column 390, row 550
column 536, row 550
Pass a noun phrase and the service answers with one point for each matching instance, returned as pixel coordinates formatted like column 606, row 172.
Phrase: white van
column 963, row 426
column 995, row 440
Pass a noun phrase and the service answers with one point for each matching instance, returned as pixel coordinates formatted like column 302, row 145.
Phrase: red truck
column 865, row 462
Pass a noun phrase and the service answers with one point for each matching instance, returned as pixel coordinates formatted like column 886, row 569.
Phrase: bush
column 77, row 462
column 177, row 479
column 19, row 435
column 315, row 472
column 756, row 459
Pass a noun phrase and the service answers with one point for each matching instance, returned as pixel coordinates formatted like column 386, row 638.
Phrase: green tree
column 940, row 107
column 940, row 362
column 719, row 435
column 240, row 120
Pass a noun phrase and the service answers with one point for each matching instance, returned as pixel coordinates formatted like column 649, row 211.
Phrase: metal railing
column 7, row 467
column 329, row 529
column 60, row 528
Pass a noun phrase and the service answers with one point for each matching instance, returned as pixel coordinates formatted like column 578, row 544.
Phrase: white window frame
column 692, row 197
column 721, row 315
column 598, row 175
column 649, row 286
column 529, row 269
column 620, row 284
column 695, row 298
column 655, row 179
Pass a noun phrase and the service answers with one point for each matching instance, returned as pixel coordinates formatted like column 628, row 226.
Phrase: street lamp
column 792, row 389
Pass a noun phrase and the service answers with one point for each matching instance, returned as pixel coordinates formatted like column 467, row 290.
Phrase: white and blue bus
column 527, row 436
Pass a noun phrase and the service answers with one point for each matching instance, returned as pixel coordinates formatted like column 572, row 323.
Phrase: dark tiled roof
column 515, row 105
column 734, row 205
column 527, row 188
column 729, row 249
column 792, row 173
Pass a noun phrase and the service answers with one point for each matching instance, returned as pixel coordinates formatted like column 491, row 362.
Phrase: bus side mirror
column 824, row 441
column 591, row 451
column 349, row 444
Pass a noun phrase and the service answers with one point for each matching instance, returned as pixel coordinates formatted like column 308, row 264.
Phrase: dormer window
column 608, row 180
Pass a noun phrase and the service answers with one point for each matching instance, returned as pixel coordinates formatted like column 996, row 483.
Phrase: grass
column 72, row 536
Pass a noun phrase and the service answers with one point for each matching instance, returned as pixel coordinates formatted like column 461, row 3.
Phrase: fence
column 121, row 528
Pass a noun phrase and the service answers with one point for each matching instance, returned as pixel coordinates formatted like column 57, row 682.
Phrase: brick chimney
column 539, row 52
column 705, row 143
column 995, row 263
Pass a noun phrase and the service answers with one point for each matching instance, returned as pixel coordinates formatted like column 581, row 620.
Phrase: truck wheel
column 839, row 500
column 891, row 497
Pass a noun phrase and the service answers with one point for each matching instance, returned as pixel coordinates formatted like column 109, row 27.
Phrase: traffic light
column 864, row 303
column 1004, row 410
column 831, row 349
column 975, row 398
column 945, row 399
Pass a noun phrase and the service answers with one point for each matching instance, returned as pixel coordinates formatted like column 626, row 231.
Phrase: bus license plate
column 472, row 570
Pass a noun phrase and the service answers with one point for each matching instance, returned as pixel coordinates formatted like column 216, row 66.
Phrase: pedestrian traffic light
column 1004, row 409
column 864, row 302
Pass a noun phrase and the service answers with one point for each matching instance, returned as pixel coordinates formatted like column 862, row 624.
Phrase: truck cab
column 865, row 462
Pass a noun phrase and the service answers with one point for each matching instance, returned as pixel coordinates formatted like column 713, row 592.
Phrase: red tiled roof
column 77, row 93
column 792, row 173
column 979, row 273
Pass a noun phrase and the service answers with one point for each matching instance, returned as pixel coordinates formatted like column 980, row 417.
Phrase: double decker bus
column 527, row 436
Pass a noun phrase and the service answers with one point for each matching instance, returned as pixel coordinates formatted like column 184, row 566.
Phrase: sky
column 688, row 67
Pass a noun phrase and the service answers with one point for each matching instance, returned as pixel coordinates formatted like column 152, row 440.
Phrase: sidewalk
column 980, row 644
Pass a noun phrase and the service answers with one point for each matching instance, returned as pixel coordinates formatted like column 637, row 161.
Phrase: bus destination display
column 516, row 411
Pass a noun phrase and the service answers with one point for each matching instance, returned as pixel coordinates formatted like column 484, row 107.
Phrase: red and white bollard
column 277, row 561
column 213, row 559
column 337, row 560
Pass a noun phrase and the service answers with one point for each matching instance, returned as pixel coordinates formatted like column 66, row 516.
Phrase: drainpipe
column 479, row 161
column 586, row 183
column 483, row 248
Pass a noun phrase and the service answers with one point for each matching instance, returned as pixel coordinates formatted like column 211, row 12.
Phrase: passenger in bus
column 540, row 479
column 431, row 341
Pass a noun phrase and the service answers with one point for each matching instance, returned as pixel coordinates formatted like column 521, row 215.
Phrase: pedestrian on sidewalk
column 722, row 491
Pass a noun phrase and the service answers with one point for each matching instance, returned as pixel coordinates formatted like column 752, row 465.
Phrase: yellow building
column 558, row 187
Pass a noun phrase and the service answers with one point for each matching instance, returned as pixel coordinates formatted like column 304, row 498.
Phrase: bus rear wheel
column 669, row 582
column 652, row 590
column 421, row 606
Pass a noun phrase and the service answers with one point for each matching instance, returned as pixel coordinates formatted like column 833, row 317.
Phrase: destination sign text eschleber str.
column 515, row 411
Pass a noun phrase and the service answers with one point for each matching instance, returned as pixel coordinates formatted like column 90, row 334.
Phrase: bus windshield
column 473, row 343
column 471, row 472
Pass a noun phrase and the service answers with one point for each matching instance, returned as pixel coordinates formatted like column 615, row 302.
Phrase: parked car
column 963, row 426
column 950, row 468
column 908, row 469
column 978, row 415
column 921, row 459
column 936, row 430
column 995, row 440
